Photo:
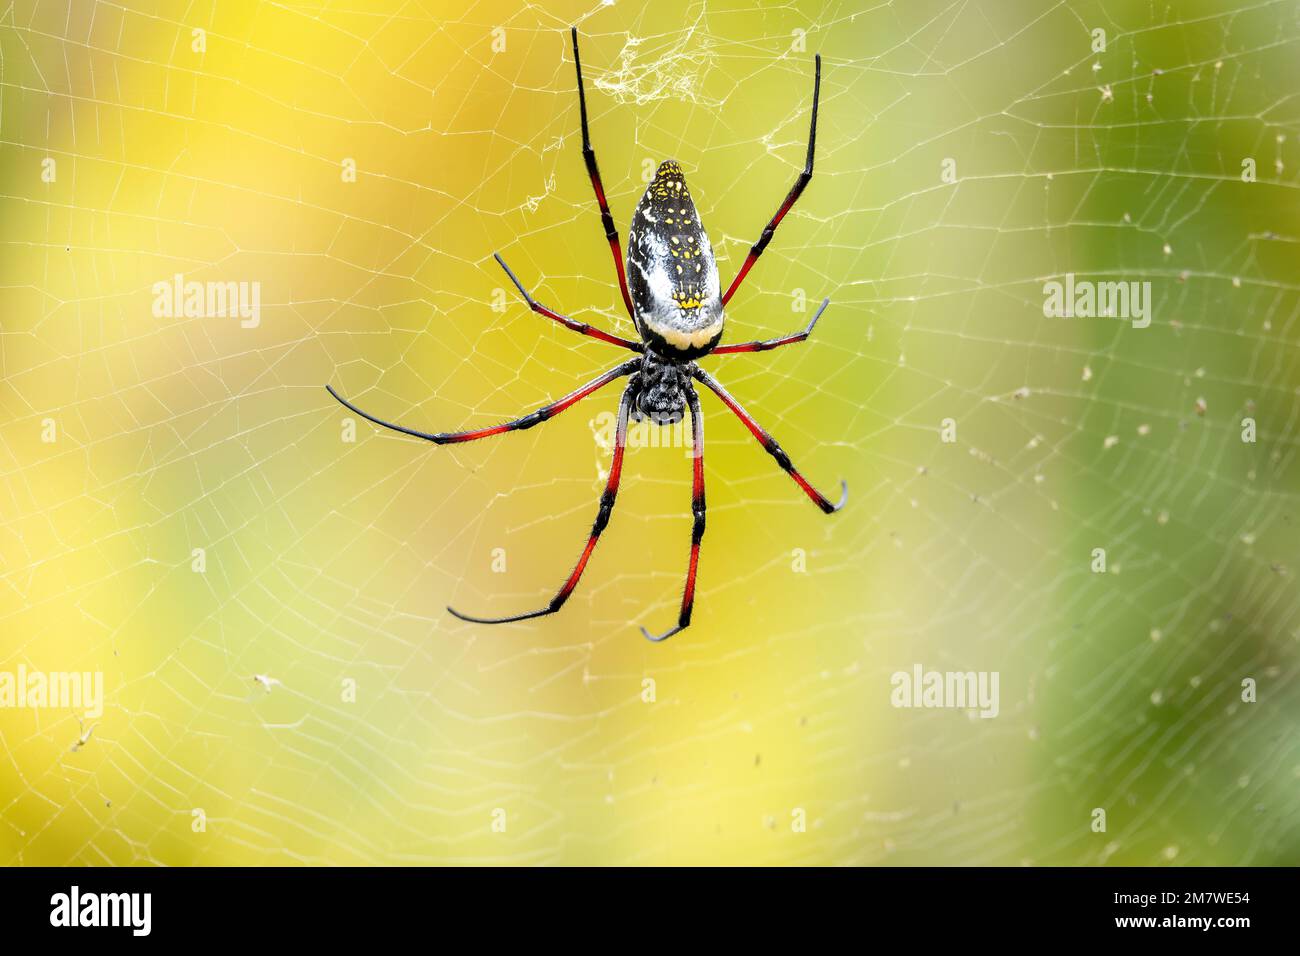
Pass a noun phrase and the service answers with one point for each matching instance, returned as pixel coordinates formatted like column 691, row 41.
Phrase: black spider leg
column 770, row 229
column 697, row 510
column 602, row 519
column 768, row 344
column 589, row 157
column 580, row 327
column 771, row 447
column 528, row 421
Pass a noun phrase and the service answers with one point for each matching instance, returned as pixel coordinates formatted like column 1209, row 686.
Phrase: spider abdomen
column 671, row 272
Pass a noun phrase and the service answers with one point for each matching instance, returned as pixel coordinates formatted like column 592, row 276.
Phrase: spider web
column 230, row 734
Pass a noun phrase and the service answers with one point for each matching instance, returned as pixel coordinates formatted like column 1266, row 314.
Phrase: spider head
column 661, row 391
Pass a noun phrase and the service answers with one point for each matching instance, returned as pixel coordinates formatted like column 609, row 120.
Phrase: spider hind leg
column 697, row 527
column 772, row 448
column 607, row 499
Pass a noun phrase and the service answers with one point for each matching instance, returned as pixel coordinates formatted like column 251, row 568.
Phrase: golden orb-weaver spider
column 674, row 299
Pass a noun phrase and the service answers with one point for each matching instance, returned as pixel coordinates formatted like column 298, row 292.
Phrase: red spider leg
column 757, row 249
column 589, row 155
column 767, row 344
column 771, row 447
column 581, row 327
column 697, row 529
column 602, row 519
column 528, row 421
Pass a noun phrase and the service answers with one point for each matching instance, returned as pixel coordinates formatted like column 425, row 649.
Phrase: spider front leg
column 697, row 509
column 791, row 198
column 772, row 448
column 589, row 157
column 582, row 328
column 542, row 414
column 602, row 519
column 768, row 344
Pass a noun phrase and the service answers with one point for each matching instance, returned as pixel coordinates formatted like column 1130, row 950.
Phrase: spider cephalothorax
column 673, row 299
column 659, row 390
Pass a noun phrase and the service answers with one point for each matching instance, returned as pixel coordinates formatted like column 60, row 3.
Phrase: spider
column 671, row 290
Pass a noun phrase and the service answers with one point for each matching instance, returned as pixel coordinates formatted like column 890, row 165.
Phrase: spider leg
column 757, row 249
column 697, row 509
column 580, row 327
column 589, row 156
column 528, row 421
column 602, row 519
column 771, row 447
column 767, row 344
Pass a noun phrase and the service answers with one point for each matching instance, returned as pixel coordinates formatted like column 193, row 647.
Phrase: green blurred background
column 330, row 561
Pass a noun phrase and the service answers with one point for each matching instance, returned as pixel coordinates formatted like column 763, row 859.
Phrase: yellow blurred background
column 265, row 591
